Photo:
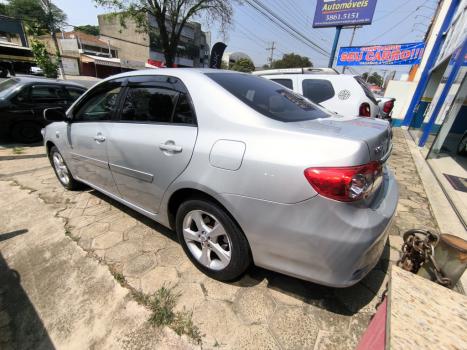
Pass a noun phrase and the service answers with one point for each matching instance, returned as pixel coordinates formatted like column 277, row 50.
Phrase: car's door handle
column 99, row 138
column 169, row 146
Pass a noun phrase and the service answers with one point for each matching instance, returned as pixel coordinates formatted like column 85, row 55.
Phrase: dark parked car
column 23, row 100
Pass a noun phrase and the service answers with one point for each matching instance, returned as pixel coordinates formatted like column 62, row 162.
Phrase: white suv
column 346, row 95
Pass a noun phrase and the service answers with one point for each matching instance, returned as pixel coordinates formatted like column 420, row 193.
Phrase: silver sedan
column 244, row 170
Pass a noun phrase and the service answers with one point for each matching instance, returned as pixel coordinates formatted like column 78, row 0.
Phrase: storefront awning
column 14, row 52
column 103, row 61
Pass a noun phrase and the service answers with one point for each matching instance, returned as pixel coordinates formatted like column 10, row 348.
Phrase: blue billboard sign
column 335, row 13
column 398, row 54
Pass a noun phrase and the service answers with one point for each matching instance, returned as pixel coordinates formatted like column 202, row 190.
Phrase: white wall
column 402, row 91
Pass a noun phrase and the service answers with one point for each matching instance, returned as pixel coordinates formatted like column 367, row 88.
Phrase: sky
column 394, row 21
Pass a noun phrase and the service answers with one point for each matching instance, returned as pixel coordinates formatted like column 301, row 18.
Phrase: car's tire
column 26, row 132
column 3, row 72
column 222, row 253
column 462, row 146
column 61, row 170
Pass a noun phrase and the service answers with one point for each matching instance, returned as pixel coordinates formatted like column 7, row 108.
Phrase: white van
column 346, row 95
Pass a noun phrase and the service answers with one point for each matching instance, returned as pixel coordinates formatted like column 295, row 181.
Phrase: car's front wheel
column 212, row 240
column 26, row 132
column 62, row 171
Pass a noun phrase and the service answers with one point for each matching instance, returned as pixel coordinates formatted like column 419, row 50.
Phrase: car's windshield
column 268, row 98
column 6, row 85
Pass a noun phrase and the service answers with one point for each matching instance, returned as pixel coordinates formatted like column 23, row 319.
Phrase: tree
column 292, row 60
column 88, row 29
column 43, row 59
column 36, row 17
column 170, row 16
column 243, row 65
column 374, row 79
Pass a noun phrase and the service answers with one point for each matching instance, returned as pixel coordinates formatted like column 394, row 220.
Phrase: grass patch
column 119, row 277
column 18, row 150
column 162, row 304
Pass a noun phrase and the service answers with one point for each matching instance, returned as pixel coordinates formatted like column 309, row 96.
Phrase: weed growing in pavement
column 119, row 277
column 183, row 324
column 162, row 304
column 18, row 150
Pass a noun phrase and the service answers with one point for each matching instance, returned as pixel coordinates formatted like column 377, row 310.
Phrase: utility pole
column 350, row 44
column 271, row 56
column 334, row 46
column 50, row 23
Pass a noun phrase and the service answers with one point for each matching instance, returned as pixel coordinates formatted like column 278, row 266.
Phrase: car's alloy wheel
column 62, row 171
column 207, row 239
column 212, row 240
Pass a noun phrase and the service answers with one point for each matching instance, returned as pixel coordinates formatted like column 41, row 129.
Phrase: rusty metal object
column 418, row 251
column 450, row 257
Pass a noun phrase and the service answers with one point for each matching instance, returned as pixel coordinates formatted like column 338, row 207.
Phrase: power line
column 396, row 25
column 278, row 31
column 293, row 29
column 274, row 18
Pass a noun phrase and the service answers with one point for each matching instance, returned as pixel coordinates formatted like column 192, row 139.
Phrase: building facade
column 85, row 54
column 144, row 49
column 437, row 115
column 15, row 54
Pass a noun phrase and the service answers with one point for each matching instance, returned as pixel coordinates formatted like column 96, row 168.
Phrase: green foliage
column 88, row 29
column 36, row 19
column 43, row 59
column 162, row 304
column 18, row 150
column 243, row 65
column 292, row 60
column 170, row 16
column 183, row 324
column 374, row 79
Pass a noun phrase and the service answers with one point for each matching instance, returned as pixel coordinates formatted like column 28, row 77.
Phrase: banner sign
column 334, row 13
column 399, row 54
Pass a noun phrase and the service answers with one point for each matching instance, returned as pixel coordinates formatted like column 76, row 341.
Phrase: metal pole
column 350, row 44
column 334, row 46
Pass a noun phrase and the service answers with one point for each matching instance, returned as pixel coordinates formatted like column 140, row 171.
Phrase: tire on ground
column 240, row 249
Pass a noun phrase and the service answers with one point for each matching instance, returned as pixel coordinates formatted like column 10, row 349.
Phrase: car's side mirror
column 55, row 114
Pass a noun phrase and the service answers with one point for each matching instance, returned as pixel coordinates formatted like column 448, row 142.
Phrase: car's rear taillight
column 345, row 184
column 365, row 110
column 388, row 106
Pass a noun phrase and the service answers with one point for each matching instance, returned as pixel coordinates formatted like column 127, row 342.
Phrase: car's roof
column 177, row 72
column 310, row 76
column 39, row 80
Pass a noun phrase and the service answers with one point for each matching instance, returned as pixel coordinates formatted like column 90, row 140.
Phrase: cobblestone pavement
column 264, row 310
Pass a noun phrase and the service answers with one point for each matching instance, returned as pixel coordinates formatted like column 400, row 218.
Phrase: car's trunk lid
column 375, row 133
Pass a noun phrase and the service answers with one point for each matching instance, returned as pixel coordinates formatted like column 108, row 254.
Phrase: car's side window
column 100, row 105
column 22, row 96
column 284, row 82
column 74, row 92
column 183, row 111
column 149, row 104
column 47, row 93
column 317, row 90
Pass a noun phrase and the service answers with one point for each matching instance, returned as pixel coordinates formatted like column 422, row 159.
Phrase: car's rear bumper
column 319, row 240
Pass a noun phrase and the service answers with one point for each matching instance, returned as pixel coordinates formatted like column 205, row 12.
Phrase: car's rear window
column 268, row 98
column 367, row 90
column 7, row 84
